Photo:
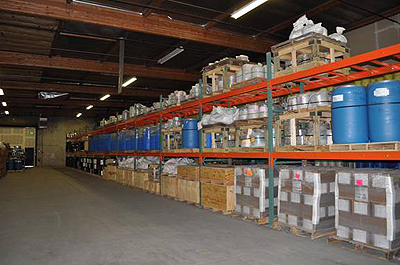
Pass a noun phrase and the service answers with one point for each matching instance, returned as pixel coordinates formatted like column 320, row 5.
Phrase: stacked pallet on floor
column 188, row 184
column 141, row 175
column 368, row 209
column 217, row 188
column 252, row 192
column 307, row 200
column 110, row 173
column 169, row 185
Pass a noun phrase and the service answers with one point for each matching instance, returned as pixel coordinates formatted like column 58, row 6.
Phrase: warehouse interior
column 152, row 131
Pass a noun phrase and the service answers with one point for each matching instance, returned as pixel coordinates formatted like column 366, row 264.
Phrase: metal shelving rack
column 371, row 64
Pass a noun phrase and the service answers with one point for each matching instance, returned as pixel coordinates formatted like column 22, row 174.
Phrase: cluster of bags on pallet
column 220, row 115
column 170, row 167
column 304, row 25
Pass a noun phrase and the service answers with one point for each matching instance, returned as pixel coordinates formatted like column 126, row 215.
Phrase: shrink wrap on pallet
column 368, row 207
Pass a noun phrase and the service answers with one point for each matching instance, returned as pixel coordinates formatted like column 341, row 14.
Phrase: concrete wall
column 51, row 141
column 378, row 35
column 50, row 145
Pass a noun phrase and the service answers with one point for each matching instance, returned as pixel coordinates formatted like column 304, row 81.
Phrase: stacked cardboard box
column 307, row 198
column 188, row 184
column 217, row 188
column 368, row 207
column 252, row 191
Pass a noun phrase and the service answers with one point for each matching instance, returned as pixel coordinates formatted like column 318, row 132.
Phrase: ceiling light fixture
column 4, row 104
column 105, row 97
column 171, row 55
column 130, row 81
column 89, row 107
column 7, row 112
column 79, row 114
column 1, row 92
column 247, row 8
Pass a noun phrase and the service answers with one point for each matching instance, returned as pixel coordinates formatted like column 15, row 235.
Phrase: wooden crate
column 222, row 69
column 224, row 174
column 305, row 52
column 120, row 175
column 140, row 177
column 110, row 173
column 218, row 197
column 172, row 139
column 129, row 177
column 190, row 172
column 223, row 131
column 154, row 186
column 316, row 115
column 146, row 185
column 188, row 190
column 381, row 146
column 169, row 185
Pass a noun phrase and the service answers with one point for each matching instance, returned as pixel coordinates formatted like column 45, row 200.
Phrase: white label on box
column 381, row 92
column 337, row 98
column 296, row 185
column 361, row 194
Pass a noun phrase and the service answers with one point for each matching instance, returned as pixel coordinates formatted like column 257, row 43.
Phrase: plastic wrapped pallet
column 307, row 198
column 368, row 207
column 252, row 191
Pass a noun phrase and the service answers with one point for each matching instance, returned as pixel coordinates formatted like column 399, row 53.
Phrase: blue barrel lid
column 387, row 91
column 348, row 96
column 190, row 124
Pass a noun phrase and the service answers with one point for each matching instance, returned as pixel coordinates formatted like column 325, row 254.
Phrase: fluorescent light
column 89, row 107
column 4, row 104
column 1, row 92
column 6, row 112
column 171, row 55
column 130, row 81
column 105, row 97
column 79, row 114
column 247, row 8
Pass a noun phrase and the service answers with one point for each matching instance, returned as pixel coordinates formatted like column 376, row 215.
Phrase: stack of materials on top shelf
column 217, row 188
column 252, row 191
column 368, row 207
column 307, row 199
column 188, row 184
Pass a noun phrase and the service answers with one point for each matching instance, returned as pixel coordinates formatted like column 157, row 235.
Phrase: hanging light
column 247, row 8
column 79, row 114
column 105, row 97
column 171, row 55
column 89, row 107
column 130, row 81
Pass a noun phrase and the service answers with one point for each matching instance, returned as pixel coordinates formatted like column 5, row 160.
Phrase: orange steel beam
column 349, row 155
column 32, row 60
column 152, row 24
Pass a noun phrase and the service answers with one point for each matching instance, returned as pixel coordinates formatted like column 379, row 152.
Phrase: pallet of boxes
column 217, row 188
column 252, row 192
column 306, row 203
column 368, row 210
column 110, row 173
column 188, row 183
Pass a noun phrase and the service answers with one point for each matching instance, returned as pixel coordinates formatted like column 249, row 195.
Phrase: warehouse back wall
column 374, row 36
column 50, row 141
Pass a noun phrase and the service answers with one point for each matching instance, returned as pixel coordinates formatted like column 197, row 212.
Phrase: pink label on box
column 297, row 175
column 359, row 182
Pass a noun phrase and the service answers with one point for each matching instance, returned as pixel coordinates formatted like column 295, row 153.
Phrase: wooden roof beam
column 153, row 24
column 98, row 90
column 32, row 60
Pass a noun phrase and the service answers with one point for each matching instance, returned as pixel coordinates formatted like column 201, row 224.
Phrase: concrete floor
column 63, row 216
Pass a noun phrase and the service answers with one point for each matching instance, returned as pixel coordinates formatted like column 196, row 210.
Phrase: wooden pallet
column 366, row 249
column 234, row 149
column 295, row 148
column 386, row 146
column 249, row 82
column 184, row 150
column 298, row 231
column 259, row 221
